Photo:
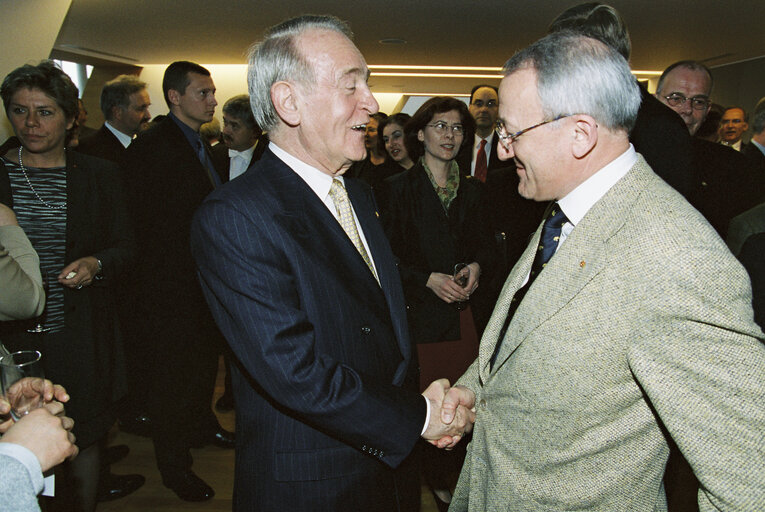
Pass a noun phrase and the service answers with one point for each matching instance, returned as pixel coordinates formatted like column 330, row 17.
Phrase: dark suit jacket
column 755, row 156
column 323, row 350
column 426, row 239
column 465, row 155
column 103, row 144
column 222, row 162
column 726, row 183
column 660, row 135
column 751, row 258
column 89, row 361
column 166, row 183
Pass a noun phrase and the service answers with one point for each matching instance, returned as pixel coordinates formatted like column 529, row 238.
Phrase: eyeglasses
column 697, row 102
column 488, row 104
column 441, row 128
column 513, row 137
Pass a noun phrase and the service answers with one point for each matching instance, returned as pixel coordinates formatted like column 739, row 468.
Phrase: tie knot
column 556, row 218
column 337, row 190
column 483, row 145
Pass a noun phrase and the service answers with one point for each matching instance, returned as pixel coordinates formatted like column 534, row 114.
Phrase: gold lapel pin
column 582, row 264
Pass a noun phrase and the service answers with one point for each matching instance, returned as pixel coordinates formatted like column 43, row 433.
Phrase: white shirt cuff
column 427, row 417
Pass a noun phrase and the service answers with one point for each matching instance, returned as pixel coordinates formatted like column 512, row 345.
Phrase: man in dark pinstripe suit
column 327, row 408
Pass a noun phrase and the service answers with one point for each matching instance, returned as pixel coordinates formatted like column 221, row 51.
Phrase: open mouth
column 359, row 127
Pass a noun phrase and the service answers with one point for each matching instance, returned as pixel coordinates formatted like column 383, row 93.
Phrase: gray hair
column 758, row 117
column 686, row 64
column 117, row 92
column 580, row 75
column 278, row 58
column 239, row 107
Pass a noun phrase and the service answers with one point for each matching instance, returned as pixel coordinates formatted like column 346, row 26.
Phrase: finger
column 55, row 408
column 60, row 393
column 67, row 422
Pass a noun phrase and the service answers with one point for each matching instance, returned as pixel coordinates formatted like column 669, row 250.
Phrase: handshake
column 452, row 413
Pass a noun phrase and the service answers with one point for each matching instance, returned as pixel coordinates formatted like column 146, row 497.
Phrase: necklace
column 43, row 201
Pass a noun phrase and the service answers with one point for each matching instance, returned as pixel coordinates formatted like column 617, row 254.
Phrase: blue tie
column 548, row 242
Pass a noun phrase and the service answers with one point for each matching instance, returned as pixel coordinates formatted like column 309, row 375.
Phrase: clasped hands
column 452, row 413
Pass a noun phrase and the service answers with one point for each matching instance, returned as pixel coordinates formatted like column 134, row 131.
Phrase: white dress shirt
column 124, row 139
column 239, row 161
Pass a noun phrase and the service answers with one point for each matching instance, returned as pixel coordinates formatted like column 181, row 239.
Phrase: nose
column 368, row 101
column 31, row 119
column 505, row 152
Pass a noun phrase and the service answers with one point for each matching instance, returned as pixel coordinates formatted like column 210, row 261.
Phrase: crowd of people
column 526, row 300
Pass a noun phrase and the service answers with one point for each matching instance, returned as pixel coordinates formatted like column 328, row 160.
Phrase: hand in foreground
column 83, row 271
column 32, row 387
column 456, row 397
column 475, row 275
column 46, row 434
column 459, row 420
column 446, row 289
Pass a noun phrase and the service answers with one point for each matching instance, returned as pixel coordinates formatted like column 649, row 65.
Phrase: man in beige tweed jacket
column 639, row 327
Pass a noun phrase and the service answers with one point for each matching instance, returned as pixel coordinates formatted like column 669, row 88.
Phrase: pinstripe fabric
column 326, row 405
column 633, row 324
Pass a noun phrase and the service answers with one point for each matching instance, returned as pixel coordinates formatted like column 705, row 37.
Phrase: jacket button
column 483, row 404
column 365, row 330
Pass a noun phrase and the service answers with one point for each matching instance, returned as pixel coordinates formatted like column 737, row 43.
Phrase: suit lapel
column 581, row 257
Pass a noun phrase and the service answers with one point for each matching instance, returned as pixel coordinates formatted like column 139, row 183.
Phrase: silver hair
column 580, row 75
column 277, row 57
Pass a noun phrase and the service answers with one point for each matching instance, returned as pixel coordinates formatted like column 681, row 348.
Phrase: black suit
column 751, row 257
column 465, row 155
column 324, row 389
column 660, row 135
column 166, row 183
column 103, row 144
column 755, row 156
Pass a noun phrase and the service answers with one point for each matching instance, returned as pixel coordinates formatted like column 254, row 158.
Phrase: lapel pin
column 582, row 264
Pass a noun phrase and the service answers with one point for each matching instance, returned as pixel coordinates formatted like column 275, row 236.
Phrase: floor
column 213, row 465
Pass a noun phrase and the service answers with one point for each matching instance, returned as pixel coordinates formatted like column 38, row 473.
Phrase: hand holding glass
column 461, row 278
column 21, row 374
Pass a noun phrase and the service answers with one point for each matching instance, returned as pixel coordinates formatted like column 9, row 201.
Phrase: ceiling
column 437, row 32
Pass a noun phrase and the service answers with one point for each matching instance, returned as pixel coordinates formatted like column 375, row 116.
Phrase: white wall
column 27, row 36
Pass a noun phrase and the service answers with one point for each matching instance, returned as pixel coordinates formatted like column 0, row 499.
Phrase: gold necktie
column 343, row 205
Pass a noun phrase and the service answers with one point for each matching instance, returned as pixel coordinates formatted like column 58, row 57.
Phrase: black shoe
column 114, row 454
column 188, row 486
column 225, row 403
column 139, row 425
column 113, row 487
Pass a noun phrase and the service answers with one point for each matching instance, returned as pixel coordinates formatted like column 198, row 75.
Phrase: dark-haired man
column 170, row 171
column 242, row 144
column 478, row 157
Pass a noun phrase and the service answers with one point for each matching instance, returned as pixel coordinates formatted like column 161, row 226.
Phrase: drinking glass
column 18, row 371
column 461, row 277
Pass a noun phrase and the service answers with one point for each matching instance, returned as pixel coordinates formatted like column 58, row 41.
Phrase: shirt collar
column 124, row 139
column 192, row 136
column 246, row 154
column 488, row 140
column 758, row 146
column 320, row 182
column 578, row 202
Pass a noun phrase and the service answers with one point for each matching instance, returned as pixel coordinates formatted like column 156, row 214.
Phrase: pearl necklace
column 43, row 201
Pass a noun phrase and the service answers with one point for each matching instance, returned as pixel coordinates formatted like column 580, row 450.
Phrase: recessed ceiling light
column 392, row 40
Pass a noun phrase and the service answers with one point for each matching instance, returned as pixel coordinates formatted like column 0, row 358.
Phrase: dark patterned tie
column 481, row 168
column 548, row 242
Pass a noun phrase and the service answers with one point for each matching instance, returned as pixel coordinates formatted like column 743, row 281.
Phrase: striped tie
column 345, row 213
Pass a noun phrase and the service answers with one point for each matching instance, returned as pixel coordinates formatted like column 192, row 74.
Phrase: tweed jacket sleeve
column 21, row 292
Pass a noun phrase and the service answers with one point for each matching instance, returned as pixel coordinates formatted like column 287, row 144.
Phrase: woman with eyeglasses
column 71, row 208
column 435, row 220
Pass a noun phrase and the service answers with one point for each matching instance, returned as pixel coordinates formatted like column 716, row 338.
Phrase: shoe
column 139, row 425
column 188, row 486
column 114, row 454
column 225, row 403
column 221, row 438
column 113, row 487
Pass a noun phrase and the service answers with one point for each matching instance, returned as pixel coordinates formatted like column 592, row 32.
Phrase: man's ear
column 285, row 101
column 585, row 136
column 174, row 97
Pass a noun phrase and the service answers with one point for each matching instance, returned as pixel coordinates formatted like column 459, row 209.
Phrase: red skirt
column 449, row 359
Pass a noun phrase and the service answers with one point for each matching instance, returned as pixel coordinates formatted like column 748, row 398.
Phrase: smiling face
column 538, row 153
column 196, row 105
column 39, row 122
column 441, row 147
column 334, row 110
column 393, row 136
column 733, row 125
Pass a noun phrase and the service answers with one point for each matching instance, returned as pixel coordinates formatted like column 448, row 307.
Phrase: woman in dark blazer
column 435, row 218
column 71, row 207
